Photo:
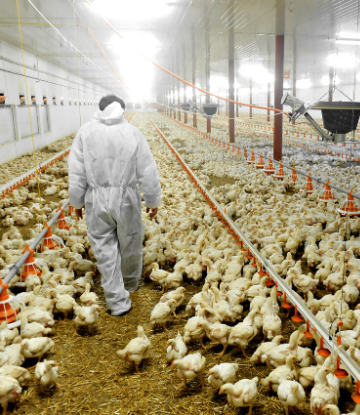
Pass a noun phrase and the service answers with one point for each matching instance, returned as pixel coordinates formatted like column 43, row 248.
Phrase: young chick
column 9, row 391
column 242, row 393
column 222, row 373
column 36, row 347
column 46, row 373
column 176, row 348
column 190, row 366
column 136, row 350
column 290, row 394
column 162, row 312
column 88, row 298
column 15, row 372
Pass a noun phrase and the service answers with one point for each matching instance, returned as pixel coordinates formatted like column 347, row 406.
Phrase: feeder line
column 14, row 270
column 25, row 177
column 350, row 365
column 267, row 158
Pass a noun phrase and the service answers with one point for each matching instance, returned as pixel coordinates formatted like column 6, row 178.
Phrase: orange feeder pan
column 293, row 175
column 285, row 304
column 278, row 292
column 245, row 153
column 297, row 318
column 251, row 160
column 269, row 282
column 309, row 187
column 62, row 224
column 269, row 169
column 356, row 396
column 7, row 312
column 339, row 372
column 71, row 210
column 327, row 195
column 350, row 209
column 29, row 268
column 280, row 175
column 48, row 238
column 308, row 333
column 253, row 263
column 260, row 164
column 322, row 351
column 248, row 255
column 261, row 272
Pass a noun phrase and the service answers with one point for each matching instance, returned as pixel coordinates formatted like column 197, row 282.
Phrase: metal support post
column 194, row 77
column 251, row 100
column 207, row 72
column 231, row 83
column 278, row 92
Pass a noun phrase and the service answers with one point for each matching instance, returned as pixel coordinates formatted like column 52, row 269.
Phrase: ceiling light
column 325, row 80
column 342, row 60
column 132, row 9
column 353, row 42
column 303, row 84
column 257, row 73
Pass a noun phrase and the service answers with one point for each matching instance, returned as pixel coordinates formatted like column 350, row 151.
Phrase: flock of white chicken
column 65, row 275
column 302, row 237
column 235, row 305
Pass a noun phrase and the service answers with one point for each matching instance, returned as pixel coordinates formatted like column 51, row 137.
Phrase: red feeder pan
column 307, row 333
column 322, row 351
column 285, row 304
column 297, row 318
column 356, row 396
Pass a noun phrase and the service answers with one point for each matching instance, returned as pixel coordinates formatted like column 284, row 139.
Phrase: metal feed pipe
column 22, row 179
column 357, row 196
column 16, row 268
column 348, row 363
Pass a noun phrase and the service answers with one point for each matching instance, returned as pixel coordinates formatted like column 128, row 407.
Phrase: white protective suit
column 108, row 159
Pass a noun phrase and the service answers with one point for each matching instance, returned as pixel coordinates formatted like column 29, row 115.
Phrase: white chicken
column 9, row 391
column 161, row 313
column 136, row 350
column 16, row 372
column 36, row 347
column 222, row 373
column 46, row 373
column 322, row 393
column 177, row 348
column 88, row 298
column 241, row 394
column 290, row 394
column 190, row 367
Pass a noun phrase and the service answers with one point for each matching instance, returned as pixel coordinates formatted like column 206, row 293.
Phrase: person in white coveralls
column 109, row 161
